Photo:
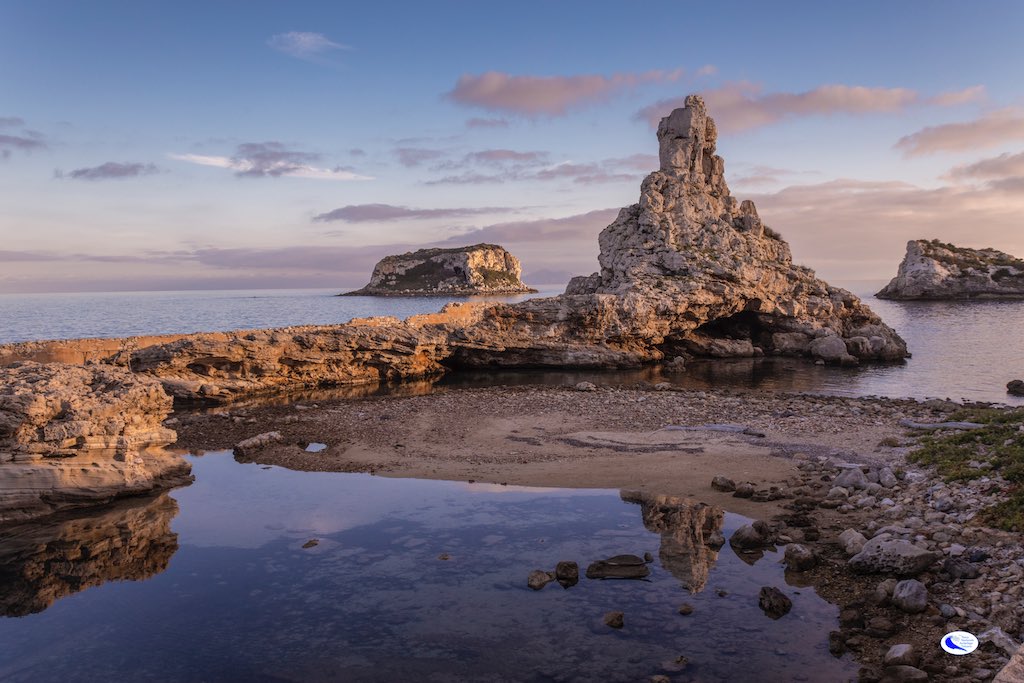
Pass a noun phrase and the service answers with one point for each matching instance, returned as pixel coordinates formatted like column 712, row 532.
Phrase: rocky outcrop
column 81, row 435
column 477, row 269
column 938, row 270
column 701, row 274
column 43, row 561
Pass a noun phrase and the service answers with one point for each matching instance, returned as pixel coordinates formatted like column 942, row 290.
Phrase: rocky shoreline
column 827, row 477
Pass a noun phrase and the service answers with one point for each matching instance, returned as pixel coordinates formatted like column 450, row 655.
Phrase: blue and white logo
column 959, row 643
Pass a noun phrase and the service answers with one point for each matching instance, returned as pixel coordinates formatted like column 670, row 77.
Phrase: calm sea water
column 411, row 581
column 962, row 350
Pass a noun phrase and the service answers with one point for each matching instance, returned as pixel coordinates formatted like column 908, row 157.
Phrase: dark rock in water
column 538, row 579
column 686, row 609
column 836, row 643
column 619, row 567
column 477, row 269
column 615, row 619
column 774, row 602
column 723, row 483
column 567, row 573
column 311, row 543
column 751, row 536
column 648, row 558
column 800, row 558
column 1015, row 387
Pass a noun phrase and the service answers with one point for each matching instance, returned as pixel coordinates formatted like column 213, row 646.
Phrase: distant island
column 938, row 270
column 476, row 269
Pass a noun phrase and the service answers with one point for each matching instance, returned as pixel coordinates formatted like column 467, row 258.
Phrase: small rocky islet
column 937, row 271
column 927, row 541
column 480, row 269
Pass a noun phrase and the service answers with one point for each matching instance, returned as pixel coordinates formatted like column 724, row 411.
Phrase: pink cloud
column 993, row 128
column 545, row 95
column 1000, row 167
column 742, row 105
column 955, row 97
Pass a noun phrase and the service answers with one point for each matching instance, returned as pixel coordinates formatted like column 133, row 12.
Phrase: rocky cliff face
column 81, row 435
column 478, row 269
column 938, row 270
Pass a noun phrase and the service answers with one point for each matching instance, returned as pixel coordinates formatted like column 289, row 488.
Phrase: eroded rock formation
column 41, row 562
column 81, row 435
column 477, row 269
column 938, row 270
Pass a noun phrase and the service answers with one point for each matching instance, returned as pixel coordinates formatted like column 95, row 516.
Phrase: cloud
column 486, row 123
column 530, row 166
column 993, row 128
column 111, row 170
column 994, row 168
column 20, row 143
column 501, row 156
column 956, row 97
column 742, row 106
column 271, row 159
column 855, row 229
column 11, row 121
column 545, row 95
column 313, row 47
column 416, row 156
column 362, row 213
column 766, row 175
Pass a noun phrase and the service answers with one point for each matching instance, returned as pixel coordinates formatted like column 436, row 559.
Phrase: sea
column 964, row 351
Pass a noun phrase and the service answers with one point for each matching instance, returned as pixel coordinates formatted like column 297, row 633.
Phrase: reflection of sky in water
column 241, row 600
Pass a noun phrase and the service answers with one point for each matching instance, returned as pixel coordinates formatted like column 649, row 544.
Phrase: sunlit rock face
column 477, row 269
column 707, row 277
column 690, row 535
column 81, row 435
column 41, row 562
column 938, row 270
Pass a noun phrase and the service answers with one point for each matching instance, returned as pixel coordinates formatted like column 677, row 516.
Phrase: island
column 476, row 269
column 938, row 270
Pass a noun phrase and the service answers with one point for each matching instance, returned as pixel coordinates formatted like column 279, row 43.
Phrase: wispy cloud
column 994, row 128
column 19, row 143
column 362, row 213
column 9, row 121
column 312, row 47
column 545, row 95
column 1000, row 167
column 501, row 156
column 486, row 123
column 742, row 105
column 271, row 159
column 416, row 156
column 111, row 170
column 534, row 166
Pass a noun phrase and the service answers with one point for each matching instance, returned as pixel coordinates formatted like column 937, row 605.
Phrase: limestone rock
column 1013, row 672
column 477, row 269
column 903, row 654
column 938, row 270
column 799, row 558
column 72, row 436
column 539, row 578
column 910, row 596
column 852, row 542
column 618, row 567
column 884, row 555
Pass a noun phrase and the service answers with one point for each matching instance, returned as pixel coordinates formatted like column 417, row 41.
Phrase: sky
column 231, row 145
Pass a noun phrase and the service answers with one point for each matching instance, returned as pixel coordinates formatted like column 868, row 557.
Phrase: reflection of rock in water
column 690, row 534
column 44, row 561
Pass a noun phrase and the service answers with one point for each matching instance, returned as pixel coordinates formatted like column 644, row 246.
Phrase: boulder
column 1015, row 387
column 567, row 573
column 903, row 654
column 911, row 596
column 892, row 556
column 774, row 602
column 851, row 478
column 799, row 558
column 618, row 567
column 852, row 542
column 539, row 578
